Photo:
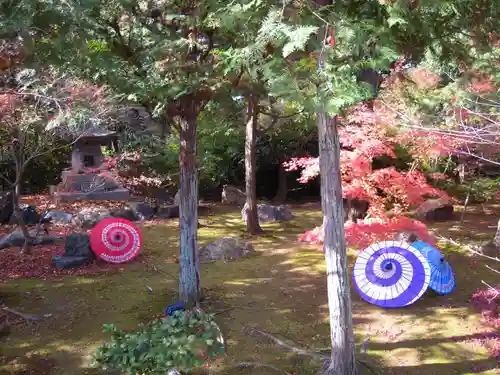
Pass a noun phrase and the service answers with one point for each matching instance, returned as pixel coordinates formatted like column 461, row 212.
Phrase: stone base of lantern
column 120, row 194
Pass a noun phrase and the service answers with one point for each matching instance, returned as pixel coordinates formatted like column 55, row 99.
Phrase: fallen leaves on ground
column 46, row 203
column 38, row 264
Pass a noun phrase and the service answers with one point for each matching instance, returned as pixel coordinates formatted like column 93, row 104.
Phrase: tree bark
column 282, row 191
column 16, row 196
column 343, row 358
column 189, row 275
column 253, row 226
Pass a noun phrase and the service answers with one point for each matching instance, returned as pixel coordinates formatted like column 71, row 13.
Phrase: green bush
column 183, row 341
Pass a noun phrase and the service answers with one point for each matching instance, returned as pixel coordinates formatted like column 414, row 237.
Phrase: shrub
column 182, row 341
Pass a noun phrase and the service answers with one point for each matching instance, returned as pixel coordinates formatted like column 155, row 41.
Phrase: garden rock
column 29, row 215
column 125, row 213
column 77, row 252
column 58, row 217
column 89, row 217
column 233, row 195
column 355, row 209
column 130, row 165
column 226, row 248
column 17, row 239
column 177, row 198
column 407, row 236
column 6, row 207
column 167, row 211
column 436, row 210
column 268, row 213
column 159, row 194
column 490, row 249
column 142, row 210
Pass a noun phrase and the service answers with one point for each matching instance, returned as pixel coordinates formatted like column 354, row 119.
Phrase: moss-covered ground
column 281, row 290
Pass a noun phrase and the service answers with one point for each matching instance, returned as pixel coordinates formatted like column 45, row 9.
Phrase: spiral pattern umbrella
column 442, row 275
column 391, row 274
column 115, row 240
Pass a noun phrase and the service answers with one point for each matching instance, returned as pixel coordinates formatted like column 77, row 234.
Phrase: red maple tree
column 364, row 136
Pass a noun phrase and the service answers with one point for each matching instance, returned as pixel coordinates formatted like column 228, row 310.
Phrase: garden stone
column 406, row 236
column 59, row 217
column 29, row 215
column 490, row 249
column 268, row 213
column 142, row 210
column 77, row 252
column 226, row 248
column 435, row 210
column 89, row 217
column 125, row 213
column 167, row 211
column 63, row 262
column 17, row 239
column 355, row 209
column 177, row 198
column 6, row 207
column 159, row 194
column 233, row 195
column 78, row 245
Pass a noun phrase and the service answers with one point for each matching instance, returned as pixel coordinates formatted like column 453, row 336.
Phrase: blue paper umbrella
column 391, row 274
column 442, row 276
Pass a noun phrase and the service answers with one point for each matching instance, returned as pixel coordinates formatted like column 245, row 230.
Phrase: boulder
column 6, row 207
column 268, row 213
column 436, row 210
column 130, row 165
column 77, row 252
column 159, row 194
column 226, row 248
column 355, row 209
column 59, row 217
column 407, row 236
column 177, row 198
column 167, row 211
column 490, row 249
column 63, row 262
column 233, row 195
column 125, row 213
column 142, row 210
column 17, row 239
column 89, row 217
column 29, row 215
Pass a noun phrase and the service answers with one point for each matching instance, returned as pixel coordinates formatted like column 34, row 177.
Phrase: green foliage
column 401, row 162
column 183, row 341
column 479, row 189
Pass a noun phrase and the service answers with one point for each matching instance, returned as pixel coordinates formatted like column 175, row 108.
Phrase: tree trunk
column 253, row 226
column 16, row 196
column 342, row 359
column 282, row 191
column 189, row 276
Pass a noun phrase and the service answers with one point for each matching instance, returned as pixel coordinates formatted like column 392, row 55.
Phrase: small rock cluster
column 77, row 252
column 233, row 195
column 268, row 213
column 437, row 210
column 89, row 217
column 225, row 248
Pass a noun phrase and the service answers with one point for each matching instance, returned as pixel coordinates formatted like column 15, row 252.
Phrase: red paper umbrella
column 115, row 240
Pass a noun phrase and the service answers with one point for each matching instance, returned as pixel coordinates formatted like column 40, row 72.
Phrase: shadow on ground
column 281, row 290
